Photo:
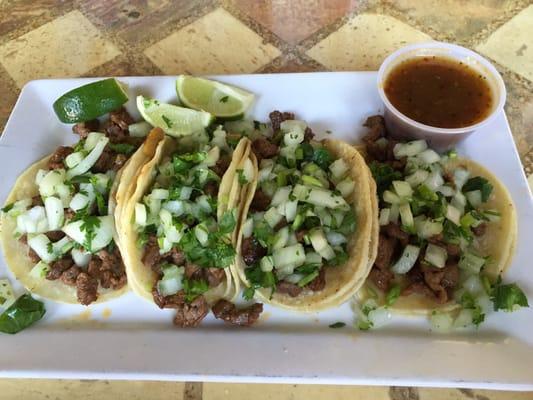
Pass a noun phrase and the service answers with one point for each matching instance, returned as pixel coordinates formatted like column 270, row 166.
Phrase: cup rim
column 498, row 80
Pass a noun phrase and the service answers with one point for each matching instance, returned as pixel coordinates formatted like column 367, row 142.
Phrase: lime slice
column 217, row 98
column 174, row 120
column 90, row 101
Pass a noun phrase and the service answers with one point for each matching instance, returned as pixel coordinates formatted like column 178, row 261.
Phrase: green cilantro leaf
column 123, row 148
column 194, row 288
column 8, row 207
column 392, row 295
column 89, row 226
column 167, row 121
column 478, row 183
column 383, row 174
column 337, row 325
column 507, row 297
column 224, row 99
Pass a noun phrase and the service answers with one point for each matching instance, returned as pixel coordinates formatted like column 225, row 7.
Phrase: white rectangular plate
column 131, row 339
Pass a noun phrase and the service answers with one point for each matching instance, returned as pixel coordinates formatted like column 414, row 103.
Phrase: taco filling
column 66, row 228
column 186, row 237
column 299, row 221
column 442, row 238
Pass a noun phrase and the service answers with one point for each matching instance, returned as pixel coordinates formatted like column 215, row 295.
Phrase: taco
column 306, row 238
column 57, row 227
column 447, row 229
column 178, row 228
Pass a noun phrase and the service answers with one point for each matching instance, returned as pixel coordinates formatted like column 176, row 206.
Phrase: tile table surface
column 71, row 38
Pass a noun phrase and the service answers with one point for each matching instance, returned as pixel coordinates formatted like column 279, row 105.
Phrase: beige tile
column 459, row 19
column 464, row 394
column 512, row 44
column 234, row 391
column 17, row 389
column 363, row 42
column 68, row 46
column 216, row 43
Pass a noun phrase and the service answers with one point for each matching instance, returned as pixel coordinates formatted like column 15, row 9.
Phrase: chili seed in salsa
column 439, row 92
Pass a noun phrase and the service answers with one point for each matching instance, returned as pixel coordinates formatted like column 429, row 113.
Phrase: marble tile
column 16, row 389
column 458, row 19
column 363, row 42
column 234, row 391
column 290, row 66
column 68, row 46
column 464, row 394
column 217, row 43
column 512, row 44
column 294, row 20
column 9, row 96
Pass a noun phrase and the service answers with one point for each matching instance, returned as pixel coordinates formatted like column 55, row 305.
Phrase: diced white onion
column 379, row 317
column 471, row 263
column 272, row 217
column 464, row 319
column 160, row 194
column 79, row 201
column 291, row 208
column 201, row 233
column 139, row 129
column 247, row 228
column 54, row 212
column 213, row 155
column 50, row 181
column 291, row 255
column 436, row 255
column 406, row 215
column 428, row 156
column 394, row 213
column 39, row 270
column 103, row 233
column 338, row 168
column 90, row 160
column 281, row 196
column 453, row 214
column 407, row 260
column 335, row 238
column 140, row 214
column 384, row 216
column 441, row 322
column 248, row 170
column 325, row 198
column 320, row 244
column 402, row 188
column 80, row 257
column 460, row 176
column 92, row 139
column 176, row 207
column 74, row 159
column 300, row 192
column 417, row 177
column 409, row 149
column 446, row 190
column 434, row 181
column 391, row 197
column 40, row 175
column 41, row 245
column 346, row 187
column 474, row 198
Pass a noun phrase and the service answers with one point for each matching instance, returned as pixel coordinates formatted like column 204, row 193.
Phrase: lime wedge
column 217, row 98
column 174, row 120
column 90, row 101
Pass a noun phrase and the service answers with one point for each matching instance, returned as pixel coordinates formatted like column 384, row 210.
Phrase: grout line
column 193, row 391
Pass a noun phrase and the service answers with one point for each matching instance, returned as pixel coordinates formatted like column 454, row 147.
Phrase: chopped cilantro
column 168, row 122
column 89, row 226
column 383, row 174
column 258, row 279
column 349, row 224
column 100, row 203
column 263, row 233
column 392, row 295
column 224, row 99
column 194, row 288
column 242, row 177
column 123, row 148
column 507, row 297
column 322, row 158
column 8, row 207
column 469, row 302
column 337, row 325
column 227, row 222
column 478, row 183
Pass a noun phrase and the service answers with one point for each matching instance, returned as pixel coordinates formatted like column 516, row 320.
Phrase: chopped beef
column 260, row 201
column 173, row 301
column 34, row 257
column 386, row 248
column 116, row 127
column 419, row 288
column 87, row 288
column 69, row 276
column 452, row 249
column 193, row 271
column 221, row 166
column 211, row 188
column 151, row 256
column 398, row 165
column 415, row 274
column 58, row 267
column 263, row 148
column 23, row 239
column 214, row 276
column 277, row 117
column 394, row 231
column 441, row 280
column 382, row 278
column 300, row 234
column 376, row 126
column 448, row 177
column 69, row 213
column 57, row 159
column 451, row 276
column 119, row 161
column 308, row 134
column 480, row 229
column 54, row 236
column 112, row 270
column 190, row 315
column 319, row 283
column 84, row 128
column 105, row 162
column 291, row 289
column 227, row 312
column 281, row 224
column 252, row 251
column 174, row 256
column 37, row 201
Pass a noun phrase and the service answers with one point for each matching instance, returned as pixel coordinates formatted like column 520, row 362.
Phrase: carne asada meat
column 277, row 117
column 87, row 288
column 58, row 267
column 69, row 276
column 292, row 289
column 382, row 278
column 190, row 315
column 260, row 201
column 84, row 128
column 228, row 312
column 57, row 159
column 252, row 251
column 263, row 148
column 319, row 283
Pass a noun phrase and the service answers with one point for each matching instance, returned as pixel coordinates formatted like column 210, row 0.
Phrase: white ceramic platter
column 130, row 338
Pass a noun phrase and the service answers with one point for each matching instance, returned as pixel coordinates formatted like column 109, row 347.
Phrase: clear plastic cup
column 403, row 127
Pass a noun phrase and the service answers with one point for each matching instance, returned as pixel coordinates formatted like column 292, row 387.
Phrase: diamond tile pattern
column 217, row 43
column 68, row 46
column 378, row 35
column 294, row 20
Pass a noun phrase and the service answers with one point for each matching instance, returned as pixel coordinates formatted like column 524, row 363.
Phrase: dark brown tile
column 294, row 20
column 10, row 93
column 280, row 66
